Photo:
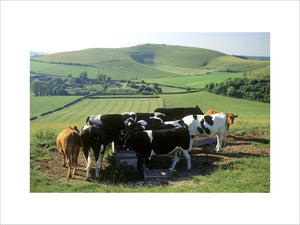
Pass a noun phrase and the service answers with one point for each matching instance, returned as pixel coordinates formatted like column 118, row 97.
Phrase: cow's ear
column 235, row 115
column 75, row 128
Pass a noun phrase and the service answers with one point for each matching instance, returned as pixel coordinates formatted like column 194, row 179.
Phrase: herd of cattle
column 166, row 131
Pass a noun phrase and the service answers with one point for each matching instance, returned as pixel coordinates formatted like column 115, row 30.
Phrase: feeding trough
column 206, row 141
column 157, row 174
column 127, row 158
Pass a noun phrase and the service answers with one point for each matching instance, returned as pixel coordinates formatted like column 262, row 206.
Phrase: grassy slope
column 194, row 81
column 252, row 115
column 39, row 105
column 154, row 61
column 81, row 110
column 236, row 64
column 62, row 70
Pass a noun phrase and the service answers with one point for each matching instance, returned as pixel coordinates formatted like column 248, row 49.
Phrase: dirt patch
column 204, row 159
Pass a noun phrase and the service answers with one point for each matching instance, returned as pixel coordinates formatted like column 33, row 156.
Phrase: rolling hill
column 152, row 61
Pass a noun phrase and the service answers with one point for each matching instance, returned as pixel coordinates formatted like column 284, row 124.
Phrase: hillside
column 154, row 61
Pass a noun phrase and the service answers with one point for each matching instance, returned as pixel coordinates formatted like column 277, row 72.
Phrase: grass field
column 251, row 115
column 194, row 81
column 62, row 70
column 81, row 110
column 143, row 61
column 169, row 65
column 39, row 105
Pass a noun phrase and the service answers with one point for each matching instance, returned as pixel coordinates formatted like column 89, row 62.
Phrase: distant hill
column 154, row 60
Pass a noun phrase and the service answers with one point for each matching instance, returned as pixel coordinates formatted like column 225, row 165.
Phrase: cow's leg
column 64, row 159
column 187, row 155
column 224, row 137
column 219, row 142
column 191, row 144
column 175, row 158
column 88, row 163
column 96, row 154
column 102, row 151
column 75, row 160
column 69, row 168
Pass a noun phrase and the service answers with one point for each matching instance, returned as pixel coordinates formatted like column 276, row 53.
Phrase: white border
column 49, row 23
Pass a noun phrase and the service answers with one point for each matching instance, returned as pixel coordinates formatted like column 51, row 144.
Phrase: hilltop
column 154, row 61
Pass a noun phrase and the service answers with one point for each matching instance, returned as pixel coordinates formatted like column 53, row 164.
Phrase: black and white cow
column 207, row 126
column 100, row 131
column 147, row 116
column 94, row 139
column 111, row 120
column 159, row 142
column 178, row 113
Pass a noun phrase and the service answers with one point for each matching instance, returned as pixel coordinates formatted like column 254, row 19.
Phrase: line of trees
column 253, row 89
column 44, row 88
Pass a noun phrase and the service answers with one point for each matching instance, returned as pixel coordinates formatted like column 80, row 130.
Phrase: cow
column 100, row 131
column 203, row 125
column 207, row 126
column 68, row 143
column 172, row 114
column 111, row 120
column 230, row 117
column 147, row 116
column 94, row 139
column 158, row 142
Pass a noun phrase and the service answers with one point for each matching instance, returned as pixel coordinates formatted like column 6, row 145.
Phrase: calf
column 95, row 139
column 230, row 117
column 178, row 113
column 68, row 143
column 152, row 142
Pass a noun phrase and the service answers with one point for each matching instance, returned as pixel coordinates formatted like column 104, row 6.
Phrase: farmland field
column 194, row 81
column 252, row 115
column 39, row 105
column 62, row 70
column 243, row 165
column 81, row 110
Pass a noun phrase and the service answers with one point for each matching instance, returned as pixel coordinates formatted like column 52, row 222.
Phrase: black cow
column 178, row 113
column 159, row 142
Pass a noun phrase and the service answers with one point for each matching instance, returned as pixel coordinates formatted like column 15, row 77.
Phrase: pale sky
column 232, row 43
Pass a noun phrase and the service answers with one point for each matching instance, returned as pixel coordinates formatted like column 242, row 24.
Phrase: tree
column 83, row 75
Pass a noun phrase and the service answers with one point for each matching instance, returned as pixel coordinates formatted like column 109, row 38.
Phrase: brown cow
column 68, row 143
column 230, row 117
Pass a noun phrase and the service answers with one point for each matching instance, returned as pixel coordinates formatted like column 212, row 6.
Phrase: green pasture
column 194, row 81
column 86, row 107
column 42, row 104
column 182, row 70
column 236, row 64
column 62, row 70
column 251, row 174
column 252, row 115
column 128, row 69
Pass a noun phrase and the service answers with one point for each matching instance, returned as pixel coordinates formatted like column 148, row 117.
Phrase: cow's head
column 74, row 128
column 231, row 118
column 129, row 117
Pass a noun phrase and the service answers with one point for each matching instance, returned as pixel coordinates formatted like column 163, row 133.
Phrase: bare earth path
column 204, row 159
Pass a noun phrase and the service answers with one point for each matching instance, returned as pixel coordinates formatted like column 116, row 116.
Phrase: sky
column 232, row 43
